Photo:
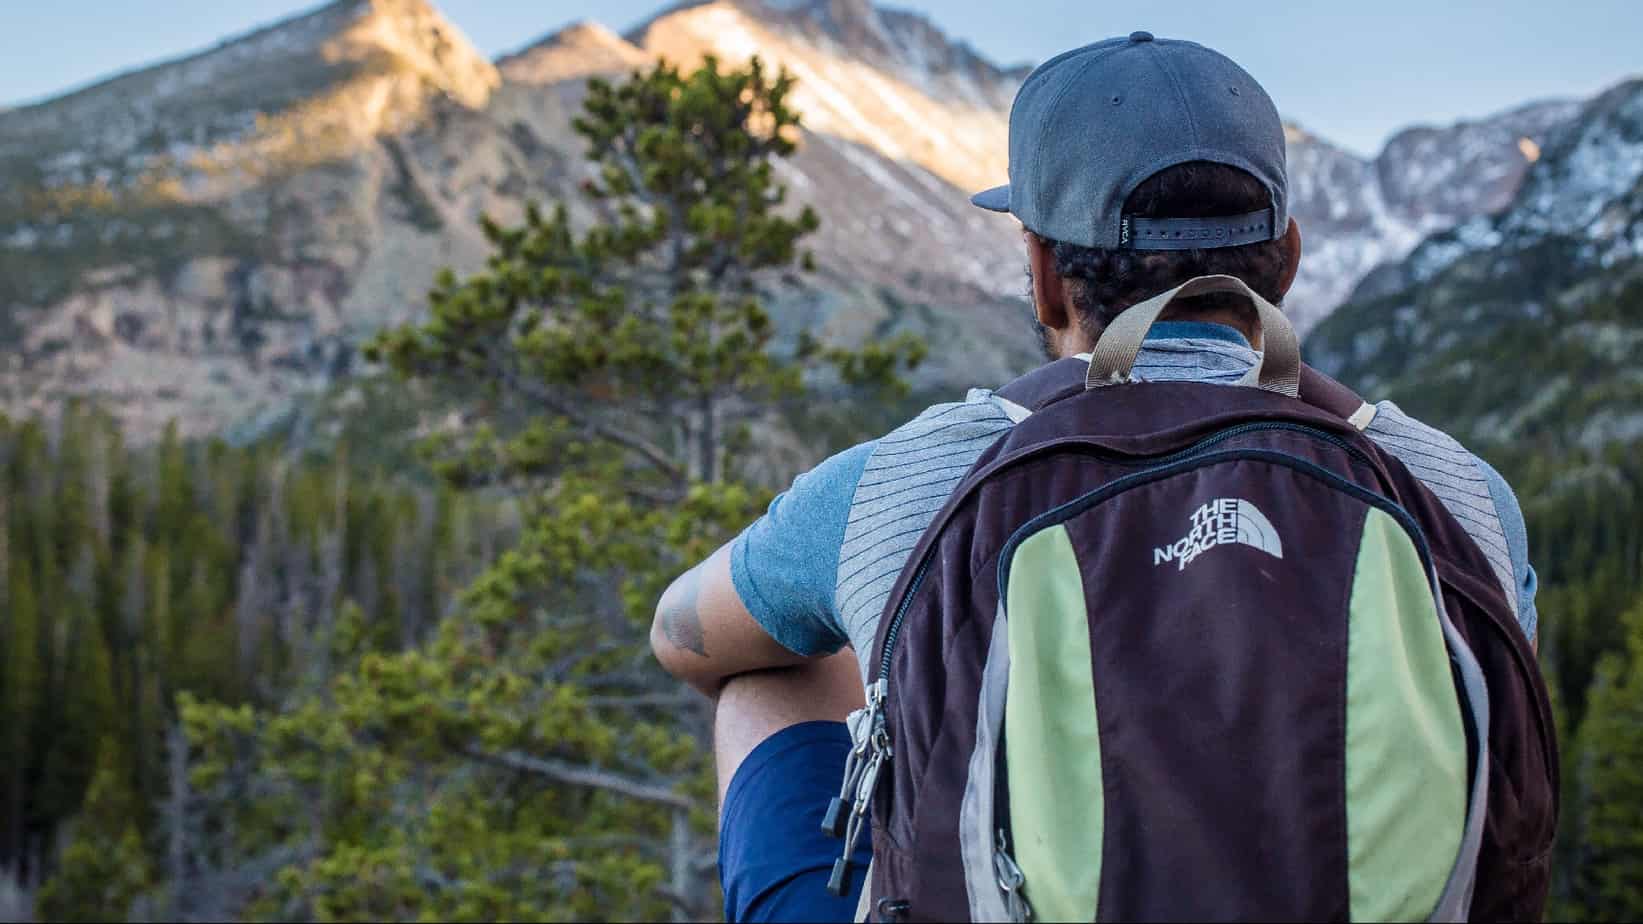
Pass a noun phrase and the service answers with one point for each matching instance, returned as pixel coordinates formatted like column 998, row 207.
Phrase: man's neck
column 1235, row 318
column 1079, row 344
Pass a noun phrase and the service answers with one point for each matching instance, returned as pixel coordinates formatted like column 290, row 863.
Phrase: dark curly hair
column 1102, row 283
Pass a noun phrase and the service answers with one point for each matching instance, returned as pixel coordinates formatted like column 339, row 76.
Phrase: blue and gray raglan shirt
column 817, row 568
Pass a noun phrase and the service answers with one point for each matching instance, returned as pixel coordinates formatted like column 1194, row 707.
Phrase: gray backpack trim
column 976, row 810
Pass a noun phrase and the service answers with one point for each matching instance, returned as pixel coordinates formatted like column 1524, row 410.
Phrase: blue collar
column 1195, row 330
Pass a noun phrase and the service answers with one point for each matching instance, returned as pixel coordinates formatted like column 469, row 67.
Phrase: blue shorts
column 774, row 859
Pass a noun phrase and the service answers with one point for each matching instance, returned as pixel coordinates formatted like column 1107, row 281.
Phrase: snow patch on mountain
column 1587, row 171
column 1583, row 180
column 1357, row 215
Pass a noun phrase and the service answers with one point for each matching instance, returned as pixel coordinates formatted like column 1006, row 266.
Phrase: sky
column 1353, row 71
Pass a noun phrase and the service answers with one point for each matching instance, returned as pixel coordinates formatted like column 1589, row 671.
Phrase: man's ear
column 1292, row 257
column 1049, row 291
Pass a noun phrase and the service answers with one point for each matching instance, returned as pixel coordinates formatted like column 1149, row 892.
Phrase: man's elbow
column 660, row 647
column 683, row 665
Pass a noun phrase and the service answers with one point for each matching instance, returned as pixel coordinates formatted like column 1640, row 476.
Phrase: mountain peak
column 851, row 19
column 319, row 41
column 416, row 34
column 356, row 66
column 893, row 40
column 581, row 49
column 1588, row 179
column 884, row 79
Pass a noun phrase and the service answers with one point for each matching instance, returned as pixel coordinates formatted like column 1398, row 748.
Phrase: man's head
column 1076, row 291
column 1136, row 164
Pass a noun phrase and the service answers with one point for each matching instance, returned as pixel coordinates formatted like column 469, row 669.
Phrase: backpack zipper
column 1154, row 464
column 1010, row 881
column 1079, row 504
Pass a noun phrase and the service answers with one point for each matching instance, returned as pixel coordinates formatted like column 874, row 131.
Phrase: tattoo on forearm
column 680, row 620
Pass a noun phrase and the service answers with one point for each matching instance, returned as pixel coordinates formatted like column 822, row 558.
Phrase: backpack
column 1189, row 652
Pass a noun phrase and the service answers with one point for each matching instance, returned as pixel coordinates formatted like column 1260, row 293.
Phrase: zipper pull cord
column 861, row 724
column 840, row 808
column 879, row 754
column 1010, row 882
column 839, row 882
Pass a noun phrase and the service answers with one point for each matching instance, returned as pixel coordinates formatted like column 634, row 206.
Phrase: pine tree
column 1609, row 783
column 530, row 761
column 101, row 875
column 129, row 574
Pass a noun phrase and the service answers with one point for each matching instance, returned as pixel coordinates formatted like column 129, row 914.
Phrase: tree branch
column 679, row 902
column 652, row 453
column 583, row 776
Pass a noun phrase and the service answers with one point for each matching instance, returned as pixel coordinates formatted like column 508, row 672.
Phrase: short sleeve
column 1517, row 546
column 785, row 565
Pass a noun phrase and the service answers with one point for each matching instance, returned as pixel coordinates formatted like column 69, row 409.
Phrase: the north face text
column 1223, row 520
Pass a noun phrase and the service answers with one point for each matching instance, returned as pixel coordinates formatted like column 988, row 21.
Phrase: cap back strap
column 1195, row 233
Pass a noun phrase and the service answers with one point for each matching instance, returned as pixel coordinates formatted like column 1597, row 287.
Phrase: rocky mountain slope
column 1357, row 214
column 1520, row 330
column 198, row 237
column 208, row 237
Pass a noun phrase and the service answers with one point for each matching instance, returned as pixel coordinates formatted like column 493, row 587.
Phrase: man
column 1135, row 165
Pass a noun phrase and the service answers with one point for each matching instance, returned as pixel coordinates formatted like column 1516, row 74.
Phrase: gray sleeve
column 1473, row 493
column 1517, row 546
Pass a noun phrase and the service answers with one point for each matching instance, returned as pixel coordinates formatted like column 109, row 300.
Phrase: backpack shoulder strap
column 1326, row 394
column 1044, row 386
column 1066, row 377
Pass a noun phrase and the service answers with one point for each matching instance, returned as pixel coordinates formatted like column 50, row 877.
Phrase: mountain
column 1520, row 333
column 1520, row 330
column 210, row 237
column 189, row 239
column 1357, row 214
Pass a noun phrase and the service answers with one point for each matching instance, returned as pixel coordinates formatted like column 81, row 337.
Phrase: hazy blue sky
column 1351, row 70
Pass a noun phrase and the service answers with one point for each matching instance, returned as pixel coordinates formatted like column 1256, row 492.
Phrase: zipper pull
column 875, row 696
column 839, row 809
column 861, row 723
column 839, row 882
column 870, row 779
column 1010, row 881
column 853, row 812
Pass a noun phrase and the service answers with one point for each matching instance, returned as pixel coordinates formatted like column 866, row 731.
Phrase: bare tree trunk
column 11, row 820
column 132, row 647
column 708, row 442
column 97, row 484
column 5, row 547
column 413, row 560
column 332, row 550
column 256, row 591
column 679, row 856
column 176, row 810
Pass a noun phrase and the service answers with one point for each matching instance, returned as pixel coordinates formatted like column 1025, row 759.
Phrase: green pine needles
column 611, row 372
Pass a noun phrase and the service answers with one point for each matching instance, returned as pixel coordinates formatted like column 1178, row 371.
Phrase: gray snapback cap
column 1091, row 124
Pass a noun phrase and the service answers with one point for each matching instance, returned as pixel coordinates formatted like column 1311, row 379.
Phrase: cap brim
column 996, row 199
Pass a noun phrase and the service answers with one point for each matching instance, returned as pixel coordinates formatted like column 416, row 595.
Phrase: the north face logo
column 1228, row 519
